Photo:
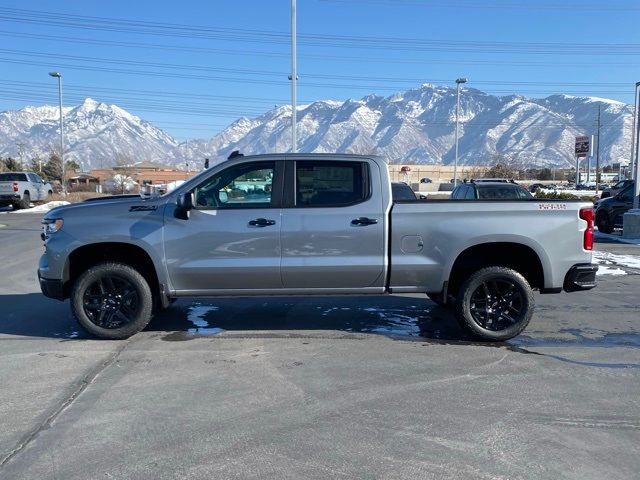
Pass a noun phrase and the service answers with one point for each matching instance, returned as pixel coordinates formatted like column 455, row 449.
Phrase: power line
column 313, row 39
column 359, row 58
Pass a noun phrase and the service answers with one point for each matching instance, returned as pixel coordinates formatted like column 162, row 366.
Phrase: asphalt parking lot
column 304, row 388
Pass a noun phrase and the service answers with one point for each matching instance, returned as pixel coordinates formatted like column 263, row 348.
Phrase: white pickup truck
column 312, row 224
column 21, row 188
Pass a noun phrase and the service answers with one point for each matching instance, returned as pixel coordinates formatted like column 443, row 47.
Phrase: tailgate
column 6, row 187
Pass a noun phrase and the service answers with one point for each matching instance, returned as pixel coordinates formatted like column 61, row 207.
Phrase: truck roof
column 307, row 156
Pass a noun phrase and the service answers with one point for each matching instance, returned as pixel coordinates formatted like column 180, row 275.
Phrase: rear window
column 331, row 184
column 13, row 177
column 502, row 192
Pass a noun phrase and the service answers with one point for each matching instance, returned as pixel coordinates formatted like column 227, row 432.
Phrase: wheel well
column 85, row 257
column 516, row 256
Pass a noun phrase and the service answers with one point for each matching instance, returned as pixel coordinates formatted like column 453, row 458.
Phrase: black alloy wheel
column 494, row 304
column 497, row 304
column 111, row 301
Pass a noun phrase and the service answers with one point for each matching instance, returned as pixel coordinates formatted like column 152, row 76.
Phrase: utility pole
column 459, row 81
column 293, row 77
column 58, row 75
column 20, row 151
column 636, row 163
column 598, row 154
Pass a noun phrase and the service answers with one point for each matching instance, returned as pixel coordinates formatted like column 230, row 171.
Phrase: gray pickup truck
column 21, row 188
column 311, row 224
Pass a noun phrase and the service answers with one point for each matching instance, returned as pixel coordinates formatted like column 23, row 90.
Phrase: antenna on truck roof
column 234, row 154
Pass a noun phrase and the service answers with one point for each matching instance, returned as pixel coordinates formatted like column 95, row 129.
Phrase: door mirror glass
column 223, row 196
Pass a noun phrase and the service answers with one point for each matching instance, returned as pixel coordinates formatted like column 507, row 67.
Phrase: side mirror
column 184, row 203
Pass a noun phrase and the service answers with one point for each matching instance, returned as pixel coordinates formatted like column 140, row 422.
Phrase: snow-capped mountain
column 96, row 134
column 416, row 126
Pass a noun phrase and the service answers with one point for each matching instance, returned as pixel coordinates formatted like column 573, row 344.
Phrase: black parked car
column 489, row 191
column 617, row 188
column 609, row 210
column 402, row 191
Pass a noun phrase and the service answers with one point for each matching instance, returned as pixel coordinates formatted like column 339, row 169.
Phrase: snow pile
column 44, row 208
column 610, row 263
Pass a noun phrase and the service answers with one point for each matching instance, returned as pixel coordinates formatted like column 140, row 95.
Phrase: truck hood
column 102, row 205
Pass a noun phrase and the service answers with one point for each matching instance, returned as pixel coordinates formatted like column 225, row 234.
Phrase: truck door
column 333, row 226
column 35, row 186
column 231, row 239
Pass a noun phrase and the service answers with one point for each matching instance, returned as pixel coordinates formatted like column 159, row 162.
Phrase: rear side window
column 13, row 177
column 498, row 192
column 331, row 184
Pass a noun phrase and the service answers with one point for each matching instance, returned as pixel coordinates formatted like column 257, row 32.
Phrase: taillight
column 587, row 215
column 15, row 187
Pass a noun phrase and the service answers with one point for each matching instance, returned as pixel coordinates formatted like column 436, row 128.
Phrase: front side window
column 627, row 195
column 331, row 184
column 241, row 186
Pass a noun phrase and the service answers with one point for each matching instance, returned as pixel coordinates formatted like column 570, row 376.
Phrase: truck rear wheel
column 26, row 200
column 112, row 301
column 495, row 304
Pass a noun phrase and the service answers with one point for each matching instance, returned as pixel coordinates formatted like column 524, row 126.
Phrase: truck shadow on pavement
column 392, row 316
column 402, row 318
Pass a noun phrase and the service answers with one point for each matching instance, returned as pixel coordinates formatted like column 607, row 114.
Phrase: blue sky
column 191, row 67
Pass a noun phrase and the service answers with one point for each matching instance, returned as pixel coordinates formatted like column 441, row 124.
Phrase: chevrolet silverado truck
column 21, row 188
column 311, row 224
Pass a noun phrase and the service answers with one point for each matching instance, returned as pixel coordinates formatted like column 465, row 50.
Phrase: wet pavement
column 329, row 387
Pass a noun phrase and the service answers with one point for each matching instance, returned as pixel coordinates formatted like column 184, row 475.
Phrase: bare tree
column 123, row 172
column 505, row 166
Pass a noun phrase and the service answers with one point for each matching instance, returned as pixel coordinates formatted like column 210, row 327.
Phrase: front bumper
column 51, row 288
column 580, row 277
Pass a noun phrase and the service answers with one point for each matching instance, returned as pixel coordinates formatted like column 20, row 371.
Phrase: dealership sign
column 583, row 146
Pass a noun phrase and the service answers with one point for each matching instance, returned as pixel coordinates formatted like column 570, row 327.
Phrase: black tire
column 26, row 200
column 494, row 304
column 112, row 301
column 604, row 223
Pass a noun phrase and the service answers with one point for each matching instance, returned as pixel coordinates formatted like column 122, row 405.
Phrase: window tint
column 498, row 192
column 242, row 186
column 331, row 184
column 13, row 177
column 627, row 195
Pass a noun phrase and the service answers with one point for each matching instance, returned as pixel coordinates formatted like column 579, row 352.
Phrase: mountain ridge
column 415, row 126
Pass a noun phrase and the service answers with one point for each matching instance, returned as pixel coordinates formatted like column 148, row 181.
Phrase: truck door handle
column 364, row 221
column 261, row 222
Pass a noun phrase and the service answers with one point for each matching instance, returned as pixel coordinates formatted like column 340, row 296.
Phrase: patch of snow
column 629, row 261
column 604, row 270
column 44, row 208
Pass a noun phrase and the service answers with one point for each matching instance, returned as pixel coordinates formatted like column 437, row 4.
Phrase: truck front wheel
column 112, row 301
column 494, row 304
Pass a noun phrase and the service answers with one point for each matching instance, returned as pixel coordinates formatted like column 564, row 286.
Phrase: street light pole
column 636, row 163
column 293, row 78
column 455, row 165
column 58, row 75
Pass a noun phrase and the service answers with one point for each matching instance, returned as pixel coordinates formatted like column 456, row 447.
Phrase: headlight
column 51, row 226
